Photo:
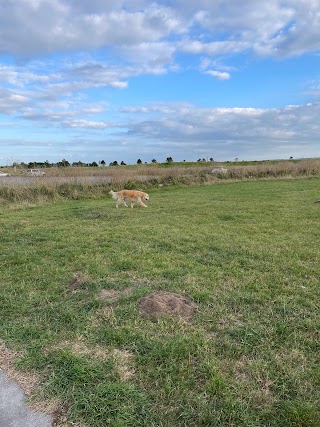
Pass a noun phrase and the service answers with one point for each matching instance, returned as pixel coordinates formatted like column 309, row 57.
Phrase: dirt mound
column 166, row 304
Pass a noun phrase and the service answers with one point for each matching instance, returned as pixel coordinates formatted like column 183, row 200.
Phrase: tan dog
column 132, row 195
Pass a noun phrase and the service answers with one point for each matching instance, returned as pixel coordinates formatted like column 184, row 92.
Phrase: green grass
column 247, row 253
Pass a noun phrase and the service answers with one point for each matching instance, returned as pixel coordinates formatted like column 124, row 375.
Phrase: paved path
column 13, row 410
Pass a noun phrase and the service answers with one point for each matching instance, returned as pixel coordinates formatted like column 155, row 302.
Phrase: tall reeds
column 77, row 183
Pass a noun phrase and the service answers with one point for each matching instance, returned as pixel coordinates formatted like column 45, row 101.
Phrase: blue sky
column 128, row 79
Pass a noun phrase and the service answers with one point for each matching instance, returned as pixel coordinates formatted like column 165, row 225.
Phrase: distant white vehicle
column 35, row 172
column 4, row 174
column 219, row 169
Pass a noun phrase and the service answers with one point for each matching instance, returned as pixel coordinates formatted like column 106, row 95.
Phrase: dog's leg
column 141, row 203
column 121, row 200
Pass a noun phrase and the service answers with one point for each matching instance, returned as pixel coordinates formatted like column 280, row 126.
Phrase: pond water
column 31, row 180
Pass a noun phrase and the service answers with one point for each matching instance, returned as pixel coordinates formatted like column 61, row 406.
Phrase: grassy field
column 247, row 253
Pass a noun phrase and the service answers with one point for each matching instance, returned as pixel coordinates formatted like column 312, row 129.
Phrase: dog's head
column 146, row 196
column 113, row 194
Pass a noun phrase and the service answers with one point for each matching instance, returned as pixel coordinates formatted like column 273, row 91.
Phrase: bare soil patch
column 78, row 279
column 166, row 304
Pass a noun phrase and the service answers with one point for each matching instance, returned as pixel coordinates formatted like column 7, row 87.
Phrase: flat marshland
column 247, row 254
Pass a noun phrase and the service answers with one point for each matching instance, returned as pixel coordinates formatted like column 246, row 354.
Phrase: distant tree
column 153, row 161
column 102, row 163
column 64, row 163
column 139, row 161
column 236, row 159
column 169, row 160
column 199, row 160
column 123, row 163
column 291, row 157
column 78, row 164
column 115, row 163
column 204, row 160
column 211, row 159
column 94, row 164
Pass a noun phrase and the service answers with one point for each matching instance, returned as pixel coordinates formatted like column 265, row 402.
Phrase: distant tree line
column 205, row 160
column 64, row 163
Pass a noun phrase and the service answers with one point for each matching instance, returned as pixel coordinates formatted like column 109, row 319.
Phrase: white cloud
column 151, row 57
column 233, row 129
column 224, row 47
column 86, row 124
column 71, row 115
column 220, row 75
column 11, row 101
column 119, row 85
column 30, row 28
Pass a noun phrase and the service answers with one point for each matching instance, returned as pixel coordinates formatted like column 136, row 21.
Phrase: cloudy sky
column 127, row 79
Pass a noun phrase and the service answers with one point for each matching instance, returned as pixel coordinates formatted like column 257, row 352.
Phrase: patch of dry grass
column 28, row 381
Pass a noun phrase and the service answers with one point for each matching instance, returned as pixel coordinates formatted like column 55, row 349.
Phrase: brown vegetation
column 78, row 183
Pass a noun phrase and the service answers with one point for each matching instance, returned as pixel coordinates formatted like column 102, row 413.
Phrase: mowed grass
column 248, row 255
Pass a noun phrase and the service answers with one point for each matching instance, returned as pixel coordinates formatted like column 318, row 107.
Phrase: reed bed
column 80, row 182
column 280, row 169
